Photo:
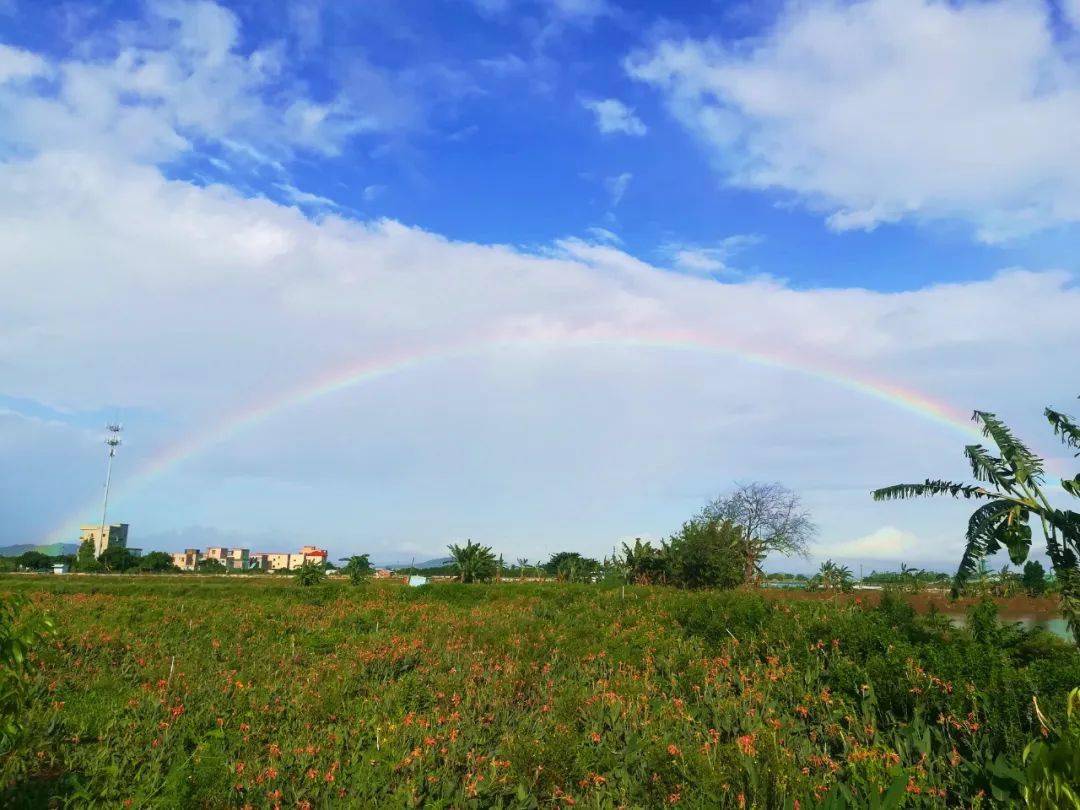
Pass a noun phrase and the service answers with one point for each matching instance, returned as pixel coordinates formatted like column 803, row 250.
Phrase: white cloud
column 373, row 192
column 710, row 260
column 124, row 288
column 612, row 116
column 16, row 64
column 886, row 543
column 616, row 186
column 191, row 85
column 880, row 110
column 305, row 198
column 211, row 302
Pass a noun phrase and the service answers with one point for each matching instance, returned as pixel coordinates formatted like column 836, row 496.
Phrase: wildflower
column 746, row 744
column 673, row 750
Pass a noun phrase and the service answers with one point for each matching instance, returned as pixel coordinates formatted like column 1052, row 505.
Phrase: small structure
column 415, row 581
column 383, row 573
column 60, row 568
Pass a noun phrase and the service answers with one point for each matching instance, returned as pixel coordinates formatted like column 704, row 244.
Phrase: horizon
column 546, row 274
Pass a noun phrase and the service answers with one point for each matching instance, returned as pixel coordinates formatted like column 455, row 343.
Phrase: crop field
column 212, row 692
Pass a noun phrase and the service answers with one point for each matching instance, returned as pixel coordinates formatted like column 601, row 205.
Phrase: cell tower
column 112, row 441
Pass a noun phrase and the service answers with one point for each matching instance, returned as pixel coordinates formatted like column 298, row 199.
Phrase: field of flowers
column 188, row 691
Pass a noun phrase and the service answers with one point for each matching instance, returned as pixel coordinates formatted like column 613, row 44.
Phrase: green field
column 187, row 691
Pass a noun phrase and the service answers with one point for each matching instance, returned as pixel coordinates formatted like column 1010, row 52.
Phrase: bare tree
column 771, row 515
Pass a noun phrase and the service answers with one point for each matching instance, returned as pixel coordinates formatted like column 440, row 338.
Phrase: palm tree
column 1013, row 494
column 473, row 561
column 834, row 577
column 521, row 563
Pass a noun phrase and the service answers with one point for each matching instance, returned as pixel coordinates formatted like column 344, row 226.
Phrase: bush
column 310, row 573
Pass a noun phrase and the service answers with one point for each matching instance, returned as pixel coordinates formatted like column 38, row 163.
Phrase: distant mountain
column 52, row 549
column 436, row 563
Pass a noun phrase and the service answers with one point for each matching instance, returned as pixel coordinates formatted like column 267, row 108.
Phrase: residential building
column 186, row 560
column 240, row 559
column 103, row 538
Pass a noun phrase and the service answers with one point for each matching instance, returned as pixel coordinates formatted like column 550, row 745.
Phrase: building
column 285, row 561
column 186, row 560
column 240, row 559
column 112, row 536
column 60, row 568
column 383, row 573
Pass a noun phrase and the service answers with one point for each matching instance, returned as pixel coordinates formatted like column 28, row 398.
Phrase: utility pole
column 112, row 441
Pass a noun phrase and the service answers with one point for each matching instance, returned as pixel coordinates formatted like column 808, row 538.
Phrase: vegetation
column 1013, row 494
column 570, row 566
column 473, row 562
column 1051, row 762
column 21, row 630
column 358, row 568
column 1034, row 578
column 771, row 517
column 832, row 577
column 310, row 573
column 193, row 691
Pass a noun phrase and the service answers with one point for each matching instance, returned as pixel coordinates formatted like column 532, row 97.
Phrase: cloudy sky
column 549, row 275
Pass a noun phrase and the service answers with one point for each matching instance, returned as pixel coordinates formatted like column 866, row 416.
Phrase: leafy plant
column 1011, row 484
column 473, row 562
column 570, row 566
column 18, row 636
column 706, row 553
column 310, row 573
column 1034, row 578
column 1053, row 764
column 833, row 577
column 358, row 568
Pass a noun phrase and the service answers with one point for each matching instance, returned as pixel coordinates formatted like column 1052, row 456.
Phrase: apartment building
column 103, row 538
column 186, row 560
column 240, row 559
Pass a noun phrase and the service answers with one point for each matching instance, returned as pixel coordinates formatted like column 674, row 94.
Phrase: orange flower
column 673, row 750
column 746, row 744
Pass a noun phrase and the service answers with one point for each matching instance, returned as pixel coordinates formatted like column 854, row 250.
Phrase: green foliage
column 706, row 554
column 34, row 561
column 310, row 573
column 832, row 577
column 570, row 566
column 225, row 691
column 85, row 561
column 1014, row 494
column 21, row 630
column 211, row 566
column 358, row 568
column 1053, row 764
column 772, row 519
column 1034, row 578
column 118, row 559
column 644, row 565
column 473, row 562
column 157, row 562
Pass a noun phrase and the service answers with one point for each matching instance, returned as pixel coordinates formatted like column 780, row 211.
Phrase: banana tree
column 1012, row 486
column 473, row 562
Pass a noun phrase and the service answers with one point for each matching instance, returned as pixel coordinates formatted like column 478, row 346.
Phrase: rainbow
column 373, row 369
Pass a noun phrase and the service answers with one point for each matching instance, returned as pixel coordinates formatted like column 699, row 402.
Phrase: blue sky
column 260, row 194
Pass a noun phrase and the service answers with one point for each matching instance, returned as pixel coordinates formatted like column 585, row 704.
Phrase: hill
column 438, row 562
column 52, row 549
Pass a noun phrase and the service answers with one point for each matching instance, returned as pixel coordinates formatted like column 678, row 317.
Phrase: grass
column 188, row 691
